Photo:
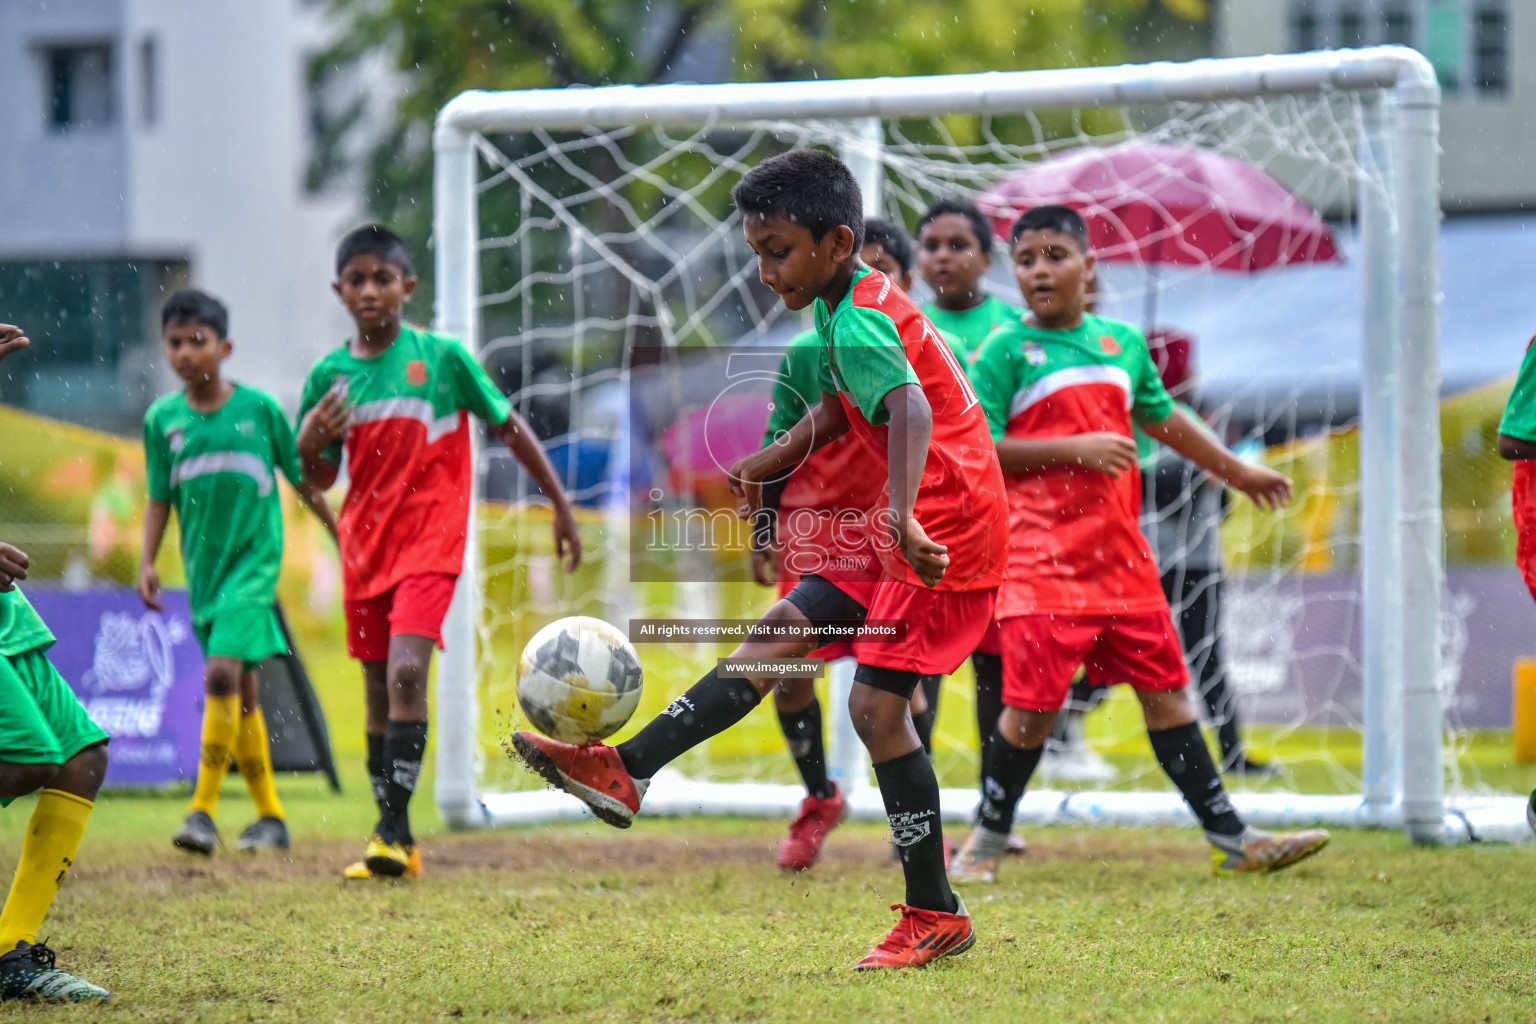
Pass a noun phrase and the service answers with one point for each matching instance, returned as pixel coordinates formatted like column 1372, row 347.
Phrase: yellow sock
column 221, row 726
column 254, row 756
column 53, row 837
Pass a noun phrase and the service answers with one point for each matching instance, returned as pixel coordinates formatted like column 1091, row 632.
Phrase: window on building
column 79, row 87
column 1467, row 41
column 149, row 81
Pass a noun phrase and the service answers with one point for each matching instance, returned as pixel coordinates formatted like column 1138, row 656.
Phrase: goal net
column 587, row 248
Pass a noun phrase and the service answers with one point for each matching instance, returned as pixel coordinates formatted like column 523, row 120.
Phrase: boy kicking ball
column 47, row 743
column 1061, row 389
column 213, row 451
column 396, row 399
column 939, row 532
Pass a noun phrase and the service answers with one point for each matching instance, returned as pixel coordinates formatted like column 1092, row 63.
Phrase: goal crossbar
column 1401, row 532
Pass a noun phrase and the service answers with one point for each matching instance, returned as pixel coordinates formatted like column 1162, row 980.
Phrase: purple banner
column 139, row 674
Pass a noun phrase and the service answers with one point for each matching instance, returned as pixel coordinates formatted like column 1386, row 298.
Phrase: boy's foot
column 1016, row 845
column 386, row 860
column 198, row 834
column 264, row 834
column 978, row 856
column 27, row 972
column 818, row 816
column 1241, row 764
column 921, row 937
column 593, row 774
column 1263, row 852
column 358, row 870
column 1530, row 811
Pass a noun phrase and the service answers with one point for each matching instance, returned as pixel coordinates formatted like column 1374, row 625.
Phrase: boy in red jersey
column 396, row 400
column 1062, row 389
column 938, row 533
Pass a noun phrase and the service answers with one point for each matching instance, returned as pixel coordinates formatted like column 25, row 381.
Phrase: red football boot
column 921, row 937
column 592, row 774
column 818, row 816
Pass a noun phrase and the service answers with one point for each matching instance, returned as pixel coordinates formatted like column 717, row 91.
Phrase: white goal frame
column 1401, row 528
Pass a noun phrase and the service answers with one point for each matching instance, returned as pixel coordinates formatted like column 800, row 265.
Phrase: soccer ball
column 578, row 680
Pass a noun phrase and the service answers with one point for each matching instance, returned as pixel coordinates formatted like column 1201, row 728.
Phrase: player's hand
column 929, row 560
column 323, row 424
column 567, row 539
column 1109, row 453
column 12, row 340
column 149, row 588
column 13, row 567
column 747, row 485
column 762, row 568
column 1266, row 488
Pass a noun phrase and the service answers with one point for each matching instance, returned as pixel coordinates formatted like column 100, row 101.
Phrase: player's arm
column 12, row 340
column 13, row 566
column 1516, row 448
column 819, row 427
column 314, row 500
column 156, row 515
column 319, row 430
column 1267, row 488
column 1106, row 452
column 911, row 429
column 515, row 433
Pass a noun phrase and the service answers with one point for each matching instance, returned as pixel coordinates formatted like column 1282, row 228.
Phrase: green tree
column 440, row 48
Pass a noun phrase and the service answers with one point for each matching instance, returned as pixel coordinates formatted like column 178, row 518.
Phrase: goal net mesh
column 612, row 262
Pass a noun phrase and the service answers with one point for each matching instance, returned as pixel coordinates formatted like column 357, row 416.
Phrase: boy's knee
column 86, row 771
column 221, row 678
column 17, row 780
column 874, row 712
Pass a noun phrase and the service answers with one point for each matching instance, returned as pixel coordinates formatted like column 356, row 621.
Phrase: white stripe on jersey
column 400, row 408
column 1072, row 376
column 224, row 462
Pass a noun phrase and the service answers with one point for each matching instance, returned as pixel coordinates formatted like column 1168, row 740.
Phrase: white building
column 152, row 144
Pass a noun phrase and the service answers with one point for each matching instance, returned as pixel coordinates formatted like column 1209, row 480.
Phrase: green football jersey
column 219, row 471
column 971, row 326
column 21, row 628
column 1520, row 412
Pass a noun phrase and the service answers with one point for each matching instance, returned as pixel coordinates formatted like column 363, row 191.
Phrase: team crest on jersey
column 1110, row 345
column 176, row 439
column 1034, row 355
column 416, row 372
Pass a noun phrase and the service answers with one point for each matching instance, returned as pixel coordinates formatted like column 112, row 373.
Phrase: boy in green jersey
column 396, row 400
column 954, row 253
column 49, row 744
column 1517, row 443
column 213, row 451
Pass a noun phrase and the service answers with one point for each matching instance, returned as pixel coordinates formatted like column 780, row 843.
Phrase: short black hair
column 890, row 236
column 189, row 304
column 375, row 240
column 1061, row 219
column 810, row 188
column 965, row 208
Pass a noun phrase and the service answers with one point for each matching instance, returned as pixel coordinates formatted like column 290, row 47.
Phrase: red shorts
column 943, row 626
column 992, row 642
column 1041, row 654
column 416, row 606
column 834, row 650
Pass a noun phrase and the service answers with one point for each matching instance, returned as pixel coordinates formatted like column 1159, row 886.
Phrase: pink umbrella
column 1158, row 204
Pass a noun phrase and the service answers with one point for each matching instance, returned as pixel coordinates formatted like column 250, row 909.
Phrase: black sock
column 989, row 700
column 911, row 794
column 802, row 731
column 376, row 775
column 404, row 745
column 1184, row 756
column 711, row 705
column 1218, row 704
column 1005, row 776
column 923, row 722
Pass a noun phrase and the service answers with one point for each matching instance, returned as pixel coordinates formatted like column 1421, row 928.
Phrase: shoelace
column 41, row 954
column 904, row 935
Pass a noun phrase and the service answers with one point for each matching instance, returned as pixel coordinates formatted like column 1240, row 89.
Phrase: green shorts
column 41, row 720
column 248, row 632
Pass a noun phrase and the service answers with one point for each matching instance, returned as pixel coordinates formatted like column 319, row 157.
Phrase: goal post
column 1394, row 176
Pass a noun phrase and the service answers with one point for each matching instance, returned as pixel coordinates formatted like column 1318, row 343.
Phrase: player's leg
column 253, row 756
column 44, row 732
column 221, row 728
column 405, row 745
column 925, row 708
column 800, row 719
column 1040, row 655
column 376, row 721
column 612, row 780
column 1144, row 650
